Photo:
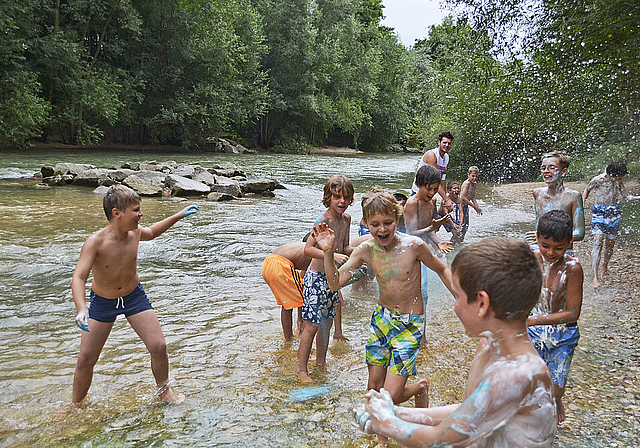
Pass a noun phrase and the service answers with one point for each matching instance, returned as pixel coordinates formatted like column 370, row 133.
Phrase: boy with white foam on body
column 111, row 255
column 553, row 327
column 418, row 216
column 283, row 270
column 555, row 196
column 468, row 198
column 606, row 215
column 397, row 324
column 320, row 302
column 508, row 399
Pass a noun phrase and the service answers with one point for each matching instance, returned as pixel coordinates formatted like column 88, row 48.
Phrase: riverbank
column 613, row 392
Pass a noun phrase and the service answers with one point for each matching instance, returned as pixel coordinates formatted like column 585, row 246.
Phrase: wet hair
column 556, row 224
column 428, row 175
column 120, row 197
column 474, row 169
column 367, row 195
column 335, row 185
column 563, row 159
column 506, row 269
column 400, row 197
column 618, row 168
column 380, row 202
column 451, row 184
column 445, row 134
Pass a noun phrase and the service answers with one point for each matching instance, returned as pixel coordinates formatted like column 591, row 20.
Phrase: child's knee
column 158, row 347
column 86, row 360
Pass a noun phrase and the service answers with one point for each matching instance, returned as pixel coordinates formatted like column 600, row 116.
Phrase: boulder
column 183, row 186
column 202, row 175
column 146, row 183
column 219, row 197
column 164, row 167
column 257, row 185
column 47, row 171
column 93, row 177
column 227, row 186
column 226, row 169
column 71, row 168
column 185, row 170
column 102, row 189
column 119, row 175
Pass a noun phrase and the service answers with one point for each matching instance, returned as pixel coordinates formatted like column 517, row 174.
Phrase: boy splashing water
column 508, row 398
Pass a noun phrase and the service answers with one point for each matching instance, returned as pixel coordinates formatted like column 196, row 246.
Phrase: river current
column 220, row 320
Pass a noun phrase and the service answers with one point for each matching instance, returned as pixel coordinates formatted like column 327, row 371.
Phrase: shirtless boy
column 111, row 255
column 397, row 323
column 418, row 215
column 555, row 196
column 553, row 327
column 606, row 215
column 320, row 302
column 468, row 198
column 508, row 400
column 283, row 270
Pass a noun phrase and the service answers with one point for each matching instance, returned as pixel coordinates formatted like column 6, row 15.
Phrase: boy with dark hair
column 397, row 324
column 553, row 326
column 320, row 303
column 606, row 215
column 468, row 198
column 111, row 255
column 508, row 400
column 438, row 158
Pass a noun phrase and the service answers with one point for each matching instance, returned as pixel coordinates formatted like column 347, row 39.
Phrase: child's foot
column 340, row 337
column 166, row 394
column 325, row 368
column 422, row 395
column 605, row 273
column 561, row 412
column 595, row 283
column 304, row 378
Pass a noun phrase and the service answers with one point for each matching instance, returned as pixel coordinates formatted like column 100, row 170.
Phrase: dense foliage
column 510, row 78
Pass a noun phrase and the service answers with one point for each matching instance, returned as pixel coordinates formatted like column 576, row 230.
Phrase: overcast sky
column 411, row 18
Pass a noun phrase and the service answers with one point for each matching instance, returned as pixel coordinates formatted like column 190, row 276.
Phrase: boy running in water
column 508, row 400
column 553, row 327
column 468, row 198
column 397, row 324
column 606, row 215
column 111, row 255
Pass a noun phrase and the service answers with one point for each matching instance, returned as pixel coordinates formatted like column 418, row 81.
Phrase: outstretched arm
column 157, row 229
column 324, row 238
column 578, row 218
column 426, row 256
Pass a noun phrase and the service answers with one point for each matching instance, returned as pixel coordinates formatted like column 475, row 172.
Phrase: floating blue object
column 305, row 393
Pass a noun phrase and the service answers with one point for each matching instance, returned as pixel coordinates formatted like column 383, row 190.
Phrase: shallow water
column 220, row 319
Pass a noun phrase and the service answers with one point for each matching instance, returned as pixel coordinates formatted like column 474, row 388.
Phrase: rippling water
column 220, row 319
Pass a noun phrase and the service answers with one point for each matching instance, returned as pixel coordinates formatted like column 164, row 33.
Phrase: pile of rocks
column 223, row 181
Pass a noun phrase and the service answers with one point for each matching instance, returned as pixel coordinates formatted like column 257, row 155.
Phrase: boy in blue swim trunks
column 111, row 254
column 606, row 215
column 552, row 326
column 397, row 324
column 320, row 304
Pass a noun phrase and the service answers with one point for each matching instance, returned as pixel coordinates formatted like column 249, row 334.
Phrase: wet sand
column 599, row 408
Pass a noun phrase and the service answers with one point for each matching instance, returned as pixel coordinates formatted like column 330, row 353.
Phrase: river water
column 221, row 322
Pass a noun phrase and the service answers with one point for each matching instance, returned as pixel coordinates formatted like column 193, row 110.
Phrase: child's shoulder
column 408, row 241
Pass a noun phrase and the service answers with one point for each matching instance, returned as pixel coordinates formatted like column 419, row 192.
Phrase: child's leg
column 558, row 393
column 377, row 375
column 286, row 316
column 147, row 326
column 322, row 343
column 300, row 321
column 337, row 332
column 309, row 331
column 595, row 259
column 91, row 344
column 401, row 392
column 608, row 251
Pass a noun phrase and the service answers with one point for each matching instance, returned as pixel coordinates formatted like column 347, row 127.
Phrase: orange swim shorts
column 284, row 280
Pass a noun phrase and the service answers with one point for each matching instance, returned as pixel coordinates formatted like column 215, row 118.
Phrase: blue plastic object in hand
column 190, row 211
column 82, row 321
column 358, row 275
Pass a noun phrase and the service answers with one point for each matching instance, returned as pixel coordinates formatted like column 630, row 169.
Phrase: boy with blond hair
column 320, row 303
column 508, row 401
column 553, row 324
column 468, row 198
column 397, row 323
column 111, row 255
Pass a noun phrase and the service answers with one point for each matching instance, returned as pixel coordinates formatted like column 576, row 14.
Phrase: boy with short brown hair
column 320, row 303
column 468, row 198
column 111, row 255
column 508, row 400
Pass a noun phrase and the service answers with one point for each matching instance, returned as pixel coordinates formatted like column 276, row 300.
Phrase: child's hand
column 340, row 258
column 324, row 236
column 530, row 237
column 82, row 321
column 445, row 247
column 190, row 211
column 378, row 408
column 363, row 419
column 436, row 223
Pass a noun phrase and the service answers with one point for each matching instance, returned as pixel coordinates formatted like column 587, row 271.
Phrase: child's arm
column 79, row 280
column 312, row 250
column 585, row 193
column 324, row 237
column 426, row 256
column 411, row 221
column 475, row 205
column 578, row 218
column 625, row 194
column 157, row 229
column 573, row 301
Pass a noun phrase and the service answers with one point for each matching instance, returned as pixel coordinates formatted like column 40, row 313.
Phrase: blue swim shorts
column 394, row 340
column 556, row 344
column 605, row 220
column 319, row 302
column 106, row 310
column 363, row 230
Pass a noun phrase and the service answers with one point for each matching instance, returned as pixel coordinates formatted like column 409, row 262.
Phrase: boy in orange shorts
column 283, row 270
